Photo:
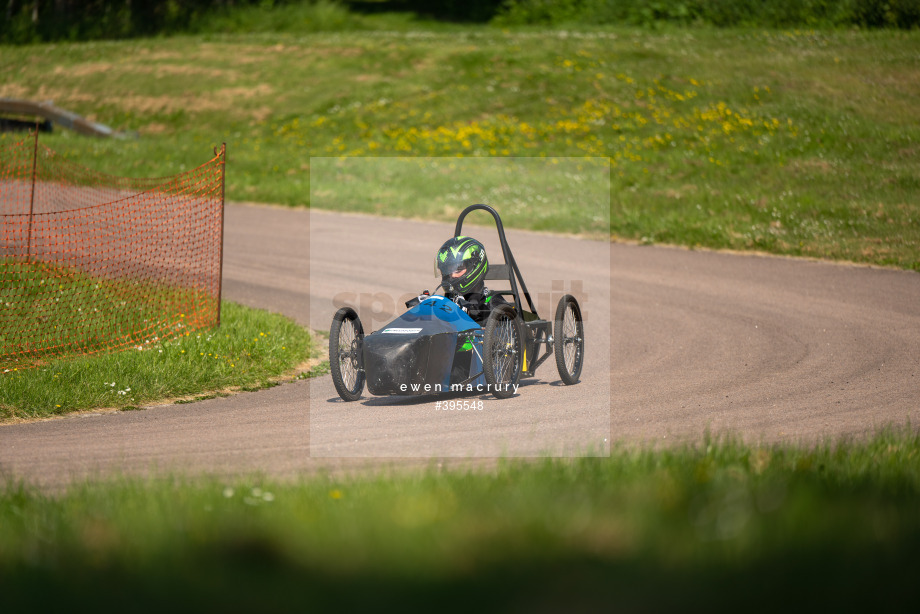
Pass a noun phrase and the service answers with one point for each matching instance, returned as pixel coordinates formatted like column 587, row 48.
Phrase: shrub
column 723, row 13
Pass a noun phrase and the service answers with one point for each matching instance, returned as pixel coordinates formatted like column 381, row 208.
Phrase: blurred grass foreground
column 718, row 524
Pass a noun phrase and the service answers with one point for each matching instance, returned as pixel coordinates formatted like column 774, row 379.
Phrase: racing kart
column 435, row 347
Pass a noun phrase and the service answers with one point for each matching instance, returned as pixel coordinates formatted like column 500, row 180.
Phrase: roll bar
column 513, row 270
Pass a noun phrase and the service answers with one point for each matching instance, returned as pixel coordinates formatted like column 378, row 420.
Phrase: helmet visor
column 451, row 267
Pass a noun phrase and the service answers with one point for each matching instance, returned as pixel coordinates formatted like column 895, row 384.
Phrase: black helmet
column 462, row 254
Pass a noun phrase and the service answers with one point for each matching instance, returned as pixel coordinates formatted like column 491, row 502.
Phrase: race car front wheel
column 346, row 360
column 502, row 346
column 569, row 339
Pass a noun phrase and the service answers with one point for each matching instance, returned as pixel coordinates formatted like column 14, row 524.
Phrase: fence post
column 32, row 196
column 220, row 275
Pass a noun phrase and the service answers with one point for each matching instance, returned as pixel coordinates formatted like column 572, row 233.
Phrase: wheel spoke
column 570, row 332
column 502, row 355
column 514, row 355
column 347, row 354
column 497, row 352
column 508, row 356
column 503, row 352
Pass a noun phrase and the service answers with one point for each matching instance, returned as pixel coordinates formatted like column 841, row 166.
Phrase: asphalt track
column 678, row 342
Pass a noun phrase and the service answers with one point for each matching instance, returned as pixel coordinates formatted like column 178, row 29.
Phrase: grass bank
column 800, row 142
column 250, row 350
column 716, row 524
column 50, row 310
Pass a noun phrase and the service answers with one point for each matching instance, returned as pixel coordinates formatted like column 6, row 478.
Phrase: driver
column 463, row 264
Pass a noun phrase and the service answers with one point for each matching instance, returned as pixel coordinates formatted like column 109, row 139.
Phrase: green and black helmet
column 463, row 264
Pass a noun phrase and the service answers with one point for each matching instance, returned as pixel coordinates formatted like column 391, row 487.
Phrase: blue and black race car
column 436, row 347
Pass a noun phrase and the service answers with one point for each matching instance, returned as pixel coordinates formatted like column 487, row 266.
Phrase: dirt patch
column 154, row 104
column 159, row 54
column 190, row 102
column 246, row 93
column 84, row 70
column 259, row 54
column 221, row 100
column 13, row 90
column 261, row 114
column 171, row 70
column 155, row 128
column 79, row 71
column 238, row 54
column 677, row 193
column 814, row 165
column 59, row 96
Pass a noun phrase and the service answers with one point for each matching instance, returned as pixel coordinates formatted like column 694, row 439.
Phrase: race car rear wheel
column 569, row 340
column 346, row 360
column 502, row 347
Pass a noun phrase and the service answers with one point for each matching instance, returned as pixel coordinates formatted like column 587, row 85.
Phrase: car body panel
column 428, row 349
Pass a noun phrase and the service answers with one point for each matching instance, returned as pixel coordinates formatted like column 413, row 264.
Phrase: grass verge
column 51, row 311
column 800, row 142
column 713, row 524
column 249, row 350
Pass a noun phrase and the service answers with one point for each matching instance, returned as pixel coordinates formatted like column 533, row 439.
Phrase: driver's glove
column 464, row 304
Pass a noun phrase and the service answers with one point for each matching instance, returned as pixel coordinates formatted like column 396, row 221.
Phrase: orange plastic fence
column 92, row 262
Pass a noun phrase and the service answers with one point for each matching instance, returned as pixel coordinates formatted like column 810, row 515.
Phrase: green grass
column 796, row 142
column 250, row 350
column 570, row 195
column 709, row 526
column 52, row 311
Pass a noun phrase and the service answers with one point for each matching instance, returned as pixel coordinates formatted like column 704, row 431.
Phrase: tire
column 569, row 340
column 346, row 362
column 503, row 343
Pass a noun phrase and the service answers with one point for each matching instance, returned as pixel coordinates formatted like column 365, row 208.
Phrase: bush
column 33, row 21
column 887, row 13
column 79, row 20
column 723, row 13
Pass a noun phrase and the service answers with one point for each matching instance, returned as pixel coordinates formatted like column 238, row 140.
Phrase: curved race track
column 677, row 342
